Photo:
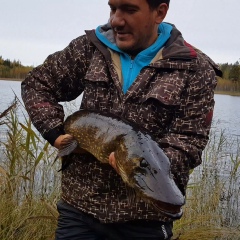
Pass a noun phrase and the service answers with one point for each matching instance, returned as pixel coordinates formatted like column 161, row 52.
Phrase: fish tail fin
column 67, row 146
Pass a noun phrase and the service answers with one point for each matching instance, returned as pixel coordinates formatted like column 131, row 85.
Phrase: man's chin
column 125, row 47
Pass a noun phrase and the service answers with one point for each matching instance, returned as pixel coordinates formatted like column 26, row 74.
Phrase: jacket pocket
column 159, row 107
column 166, row 95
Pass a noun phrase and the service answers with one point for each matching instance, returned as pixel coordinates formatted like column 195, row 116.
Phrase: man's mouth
column 120, row 34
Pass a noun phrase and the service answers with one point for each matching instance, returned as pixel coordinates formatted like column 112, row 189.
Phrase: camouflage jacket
column 173, row 98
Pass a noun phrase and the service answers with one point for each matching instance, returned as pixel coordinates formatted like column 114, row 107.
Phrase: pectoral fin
column 67, row 146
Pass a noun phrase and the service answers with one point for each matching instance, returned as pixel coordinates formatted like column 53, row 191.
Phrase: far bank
column 11, row 79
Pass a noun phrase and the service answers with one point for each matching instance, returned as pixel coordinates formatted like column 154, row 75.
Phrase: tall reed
column 29, row 184
column 212, row 203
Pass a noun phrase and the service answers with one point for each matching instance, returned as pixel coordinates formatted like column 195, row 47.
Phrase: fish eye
column 143, row 163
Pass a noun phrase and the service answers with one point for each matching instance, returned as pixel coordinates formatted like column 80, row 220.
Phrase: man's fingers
column 112, row 161
column 58, row 141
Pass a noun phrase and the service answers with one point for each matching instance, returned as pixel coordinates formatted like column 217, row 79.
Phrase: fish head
column 147, row 169
column 138, row 167
column 139, row 159
column 162, row 194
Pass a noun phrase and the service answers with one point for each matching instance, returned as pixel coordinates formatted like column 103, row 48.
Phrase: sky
column 30, row 30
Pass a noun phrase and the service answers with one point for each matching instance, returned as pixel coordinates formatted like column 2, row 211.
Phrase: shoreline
column 12, row 79
column 233, row 94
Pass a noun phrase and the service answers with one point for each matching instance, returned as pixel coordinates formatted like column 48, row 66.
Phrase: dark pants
column 76, row 225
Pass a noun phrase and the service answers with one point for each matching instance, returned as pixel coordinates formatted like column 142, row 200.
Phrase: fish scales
column 141, row 162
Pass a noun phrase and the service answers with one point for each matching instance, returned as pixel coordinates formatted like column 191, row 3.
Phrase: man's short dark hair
column 155, row 3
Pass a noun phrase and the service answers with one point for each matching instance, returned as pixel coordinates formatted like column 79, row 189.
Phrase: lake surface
column 10, row 89
column 227, row 114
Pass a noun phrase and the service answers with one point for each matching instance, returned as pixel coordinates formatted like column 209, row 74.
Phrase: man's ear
column 161, row 11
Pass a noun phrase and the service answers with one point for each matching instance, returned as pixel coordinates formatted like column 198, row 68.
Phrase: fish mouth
column 168, row 210
column 150, row 188
column 158, row 187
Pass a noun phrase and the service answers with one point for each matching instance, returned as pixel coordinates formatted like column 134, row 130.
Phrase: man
column 141, row 69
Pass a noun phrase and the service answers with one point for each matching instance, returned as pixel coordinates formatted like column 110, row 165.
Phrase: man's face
column 134, row 24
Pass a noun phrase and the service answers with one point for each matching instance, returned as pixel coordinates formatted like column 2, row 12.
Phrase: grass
column 30, row 187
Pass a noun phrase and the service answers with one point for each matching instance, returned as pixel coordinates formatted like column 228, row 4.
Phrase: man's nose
column 117, row 19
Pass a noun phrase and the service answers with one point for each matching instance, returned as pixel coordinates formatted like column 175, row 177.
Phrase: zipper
column 129, row 75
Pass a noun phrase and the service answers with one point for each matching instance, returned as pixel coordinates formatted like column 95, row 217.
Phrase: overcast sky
column 30, row 30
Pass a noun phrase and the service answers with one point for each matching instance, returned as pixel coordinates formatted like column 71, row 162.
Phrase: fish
column 141, row 163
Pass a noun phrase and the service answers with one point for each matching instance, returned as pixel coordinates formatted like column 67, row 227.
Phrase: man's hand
column 112, row 162
column 58, row 141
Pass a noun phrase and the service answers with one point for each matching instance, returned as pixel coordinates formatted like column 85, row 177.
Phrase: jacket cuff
column 53, row 134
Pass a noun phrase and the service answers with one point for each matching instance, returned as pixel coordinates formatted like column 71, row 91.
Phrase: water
column 10, row 89
column 227, row 114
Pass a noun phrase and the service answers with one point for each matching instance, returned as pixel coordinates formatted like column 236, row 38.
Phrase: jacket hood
column 176, row 49
column 105, row 34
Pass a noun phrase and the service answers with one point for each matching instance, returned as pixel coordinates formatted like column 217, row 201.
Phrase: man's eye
column 131, row 10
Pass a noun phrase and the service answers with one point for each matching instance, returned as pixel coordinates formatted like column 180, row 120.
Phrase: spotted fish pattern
column 173, row 98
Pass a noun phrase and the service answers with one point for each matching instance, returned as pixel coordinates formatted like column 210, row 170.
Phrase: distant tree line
column 231, row 71
column 13, row 69
column 230, row 82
